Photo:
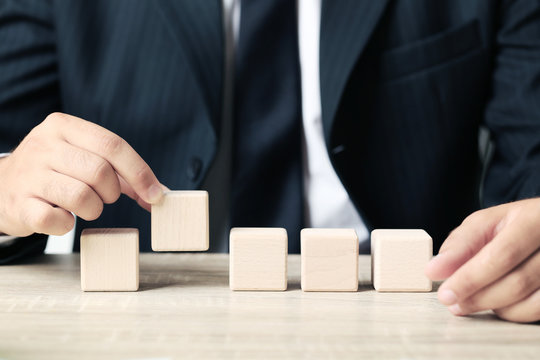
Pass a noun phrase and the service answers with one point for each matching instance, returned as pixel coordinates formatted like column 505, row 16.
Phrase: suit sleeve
column 513, row 112
column 29, row 88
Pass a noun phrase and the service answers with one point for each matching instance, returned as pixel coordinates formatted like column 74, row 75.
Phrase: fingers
column 69, row 165
column 70, row 194
column 516, row 241
column 89, row 169
column 40, row 217
column 128, row 190
column 512, row 288
column 525, row 311
column 464, row 242
column 102, row 142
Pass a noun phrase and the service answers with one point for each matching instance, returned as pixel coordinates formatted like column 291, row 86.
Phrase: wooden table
column 186, row 310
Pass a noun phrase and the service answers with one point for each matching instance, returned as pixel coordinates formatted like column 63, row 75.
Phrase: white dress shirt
column 327, row 203
column 4, row 239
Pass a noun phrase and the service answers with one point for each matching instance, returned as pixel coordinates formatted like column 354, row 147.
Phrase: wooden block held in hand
column 329, row 259
column 180, row 222
column 258, row 259
column 110, row 260
column 398, row 259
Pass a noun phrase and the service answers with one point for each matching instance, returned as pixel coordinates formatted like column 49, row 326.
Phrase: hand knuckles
column 34, row 144
column 95, row 211
column 55, row 119
column 63, row 226
column 493, row 259
column 101, row 172
column 69, row 224
column 48, row 190
column 25, row 219
column 507, row 258
column 521, row 284
column 143, row 176
column 474, row 218
column 111, row 144
column 78, row 158
column 41, row 221
column 81, row 195
column 87, row 204
column 115, row 194
column 469, row 251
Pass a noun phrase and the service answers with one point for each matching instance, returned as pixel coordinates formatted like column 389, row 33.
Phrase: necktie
column 267, row 167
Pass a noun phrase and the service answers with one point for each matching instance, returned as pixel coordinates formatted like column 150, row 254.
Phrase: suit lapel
column 346, row 27
column 197, row 28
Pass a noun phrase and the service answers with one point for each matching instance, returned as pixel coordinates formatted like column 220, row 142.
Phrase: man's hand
column 492, row 261
column 68, row 165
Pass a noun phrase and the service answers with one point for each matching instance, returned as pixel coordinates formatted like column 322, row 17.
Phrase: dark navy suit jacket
column 405, row 87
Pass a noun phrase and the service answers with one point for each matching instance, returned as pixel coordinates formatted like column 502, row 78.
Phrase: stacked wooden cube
column 110, row 257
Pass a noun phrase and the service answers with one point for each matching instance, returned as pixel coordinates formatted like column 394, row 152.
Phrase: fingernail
column 165, row 188
column 155, row 192
column 456, row 310
column 447, row 297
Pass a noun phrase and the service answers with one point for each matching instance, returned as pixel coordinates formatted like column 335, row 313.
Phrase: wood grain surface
column 258, row 259
column 180, row 221
column 399, row 257
column 185, row 309
column 110, row 259
column 329, row 260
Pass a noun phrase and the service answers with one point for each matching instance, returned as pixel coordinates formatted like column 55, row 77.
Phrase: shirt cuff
column 6, row 240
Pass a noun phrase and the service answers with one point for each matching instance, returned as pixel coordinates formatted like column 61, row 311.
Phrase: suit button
column 194, row 168
column 338, row 149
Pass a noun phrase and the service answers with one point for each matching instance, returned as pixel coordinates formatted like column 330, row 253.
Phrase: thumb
column 130, row 192
column 465, row 241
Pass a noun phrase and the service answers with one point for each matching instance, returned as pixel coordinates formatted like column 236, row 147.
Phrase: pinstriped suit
column 405, row 86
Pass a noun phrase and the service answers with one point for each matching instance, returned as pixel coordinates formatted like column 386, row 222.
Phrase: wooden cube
column 180, row 222
column 110, row 260
column 398, row 259
column 329, row 259
column 258, row 259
